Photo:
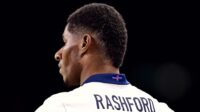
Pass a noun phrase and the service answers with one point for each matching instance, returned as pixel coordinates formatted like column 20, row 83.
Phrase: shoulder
column 53, row 103
column 57, row 102
column 164, row 107
column 63, row 96
column 161, row 106
column 56, row 98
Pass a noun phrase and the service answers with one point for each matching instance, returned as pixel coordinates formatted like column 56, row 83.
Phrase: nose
column 58, row 55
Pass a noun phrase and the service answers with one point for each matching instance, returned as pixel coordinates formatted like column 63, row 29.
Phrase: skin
column 80, row 58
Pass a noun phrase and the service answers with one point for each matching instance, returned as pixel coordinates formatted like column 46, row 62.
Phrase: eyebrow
column 63, row 37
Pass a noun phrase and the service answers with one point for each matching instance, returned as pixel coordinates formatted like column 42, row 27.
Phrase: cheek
column 70, row 55
column 72, row 67
column 74, row 54
column 65, row 54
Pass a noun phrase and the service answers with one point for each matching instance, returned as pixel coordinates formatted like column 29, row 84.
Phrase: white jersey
column 104, row 93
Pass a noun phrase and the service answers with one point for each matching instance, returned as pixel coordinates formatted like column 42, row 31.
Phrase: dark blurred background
column 162, row 56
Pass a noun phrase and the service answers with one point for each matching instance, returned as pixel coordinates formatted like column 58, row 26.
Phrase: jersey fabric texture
column 104, row 93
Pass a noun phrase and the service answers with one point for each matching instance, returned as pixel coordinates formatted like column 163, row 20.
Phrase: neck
column 96, row 66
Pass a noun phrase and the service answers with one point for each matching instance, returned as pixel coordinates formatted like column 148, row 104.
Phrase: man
column 95, row 41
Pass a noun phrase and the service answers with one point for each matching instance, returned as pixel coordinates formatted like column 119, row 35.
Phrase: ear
column 85, row 43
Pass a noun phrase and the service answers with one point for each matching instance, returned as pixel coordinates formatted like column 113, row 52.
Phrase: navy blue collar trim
column 111, row 78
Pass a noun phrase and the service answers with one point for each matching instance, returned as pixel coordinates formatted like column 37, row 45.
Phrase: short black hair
column 109, row 26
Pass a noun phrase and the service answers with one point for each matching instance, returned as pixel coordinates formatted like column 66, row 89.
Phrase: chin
column 70, row 82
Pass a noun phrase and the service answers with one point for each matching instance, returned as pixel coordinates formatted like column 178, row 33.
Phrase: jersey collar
column 110, row 78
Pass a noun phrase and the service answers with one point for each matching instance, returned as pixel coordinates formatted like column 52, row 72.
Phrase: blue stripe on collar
column 111, row 78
